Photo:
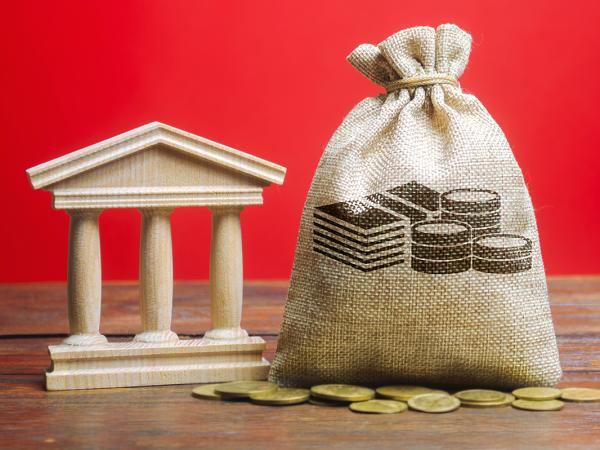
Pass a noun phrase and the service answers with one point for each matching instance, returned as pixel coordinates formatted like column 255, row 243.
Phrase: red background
column 270, row 78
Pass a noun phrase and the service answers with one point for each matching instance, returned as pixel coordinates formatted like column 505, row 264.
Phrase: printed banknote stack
column 360, row 235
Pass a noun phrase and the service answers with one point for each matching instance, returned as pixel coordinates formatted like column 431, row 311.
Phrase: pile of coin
column 397, row 398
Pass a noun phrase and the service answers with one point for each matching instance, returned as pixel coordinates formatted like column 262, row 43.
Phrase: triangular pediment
column 151, row 136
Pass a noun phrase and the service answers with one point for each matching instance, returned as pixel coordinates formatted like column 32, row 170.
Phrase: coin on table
column 581, row 394
column 434, row 403
column 281, row 397
column 322, row 402
column 538, row 405
column 207, row 391
column 537, row 393
column 379, row 407
column 404, row 393
column 342, row 392
column 479, row 396
column 243, row 389
column 507, row 400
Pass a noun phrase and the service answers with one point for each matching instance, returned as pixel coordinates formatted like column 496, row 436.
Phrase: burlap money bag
column 418, row 257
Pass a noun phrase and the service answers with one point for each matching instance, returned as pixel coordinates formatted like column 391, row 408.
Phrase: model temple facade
column 155, row 168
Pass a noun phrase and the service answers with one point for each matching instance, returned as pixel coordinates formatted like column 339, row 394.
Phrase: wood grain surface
column 33, row 316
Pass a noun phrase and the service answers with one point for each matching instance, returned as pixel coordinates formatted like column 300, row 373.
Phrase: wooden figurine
column 155, row 168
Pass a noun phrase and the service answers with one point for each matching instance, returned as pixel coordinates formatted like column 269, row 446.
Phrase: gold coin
column 507, row 400
column 207, row 391
column 404, row 393
column 379, row 407
column 538, row 405
column 434, row 403
column 342, row 392
column 537, row 393
column 323, row 402
column 281, row 396
column 479, row 395
column 581, row 394
column 243, row 389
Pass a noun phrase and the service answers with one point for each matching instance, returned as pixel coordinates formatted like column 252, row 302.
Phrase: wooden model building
column 155, row 168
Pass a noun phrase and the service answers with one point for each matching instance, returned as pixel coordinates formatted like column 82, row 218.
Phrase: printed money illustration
column 360, row 235
column 438, row 233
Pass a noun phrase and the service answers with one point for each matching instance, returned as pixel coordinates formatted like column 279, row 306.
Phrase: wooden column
column 84, row 279
column 226, row 274
column 156, row 277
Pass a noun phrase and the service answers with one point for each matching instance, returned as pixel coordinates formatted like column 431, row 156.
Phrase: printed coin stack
column 480, row 208
column 502, row 253
column 441, row 246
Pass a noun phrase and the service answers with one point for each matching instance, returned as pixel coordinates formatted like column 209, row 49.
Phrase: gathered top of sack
column 414, row 57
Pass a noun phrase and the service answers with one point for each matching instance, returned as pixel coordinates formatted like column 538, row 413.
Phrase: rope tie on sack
column 421, row 80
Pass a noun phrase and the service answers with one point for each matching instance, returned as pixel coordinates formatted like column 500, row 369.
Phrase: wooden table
column 34, row 315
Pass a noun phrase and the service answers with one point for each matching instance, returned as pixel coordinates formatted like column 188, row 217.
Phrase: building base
column 128, row 364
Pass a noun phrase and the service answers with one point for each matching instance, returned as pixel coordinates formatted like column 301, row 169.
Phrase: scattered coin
column 507, row 400
column 538, row 405
column 243, row 389
column 419, row 398
column 281, row 397
column 379, row 407
column 342, row 392
column 207, row 391
column 581, row 395
column 404, row 393
column 479, row 396
column 434, row 403
column 323, row 402
column 537, row 393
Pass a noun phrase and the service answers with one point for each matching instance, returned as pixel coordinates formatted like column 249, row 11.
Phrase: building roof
column 147, row 136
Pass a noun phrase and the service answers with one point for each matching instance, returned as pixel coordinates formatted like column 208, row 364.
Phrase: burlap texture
column 396, row 323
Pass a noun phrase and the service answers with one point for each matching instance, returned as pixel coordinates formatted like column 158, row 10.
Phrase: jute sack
column 418, row 257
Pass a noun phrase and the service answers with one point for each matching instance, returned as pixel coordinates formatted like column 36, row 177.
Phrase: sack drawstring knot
column 421, row 80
